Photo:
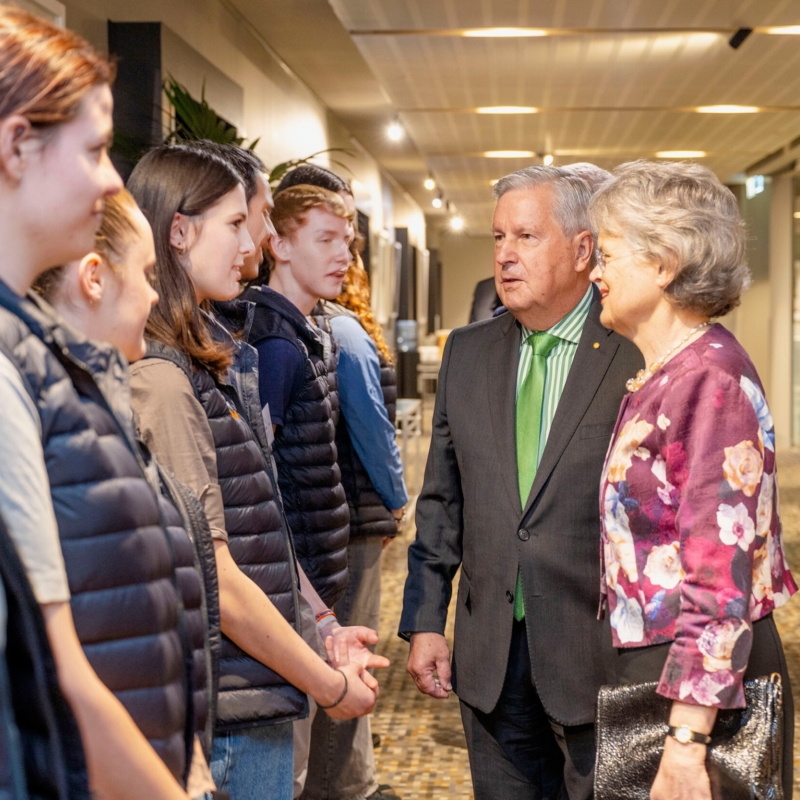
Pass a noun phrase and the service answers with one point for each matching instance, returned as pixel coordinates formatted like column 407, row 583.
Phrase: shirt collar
column 569, row 327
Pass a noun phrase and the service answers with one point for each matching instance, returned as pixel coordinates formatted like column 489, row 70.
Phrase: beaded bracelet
column 341, row 696
column 322, row 616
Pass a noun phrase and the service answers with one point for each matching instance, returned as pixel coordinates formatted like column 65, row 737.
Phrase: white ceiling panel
column 615, row 83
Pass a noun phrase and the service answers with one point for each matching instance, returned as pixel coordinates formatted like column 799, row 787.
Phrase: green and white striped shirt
column 558, row 361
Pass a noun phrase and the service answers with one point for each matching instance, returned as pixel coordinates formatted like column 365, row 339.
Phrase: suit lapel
column 502, row 389
column 585, row 376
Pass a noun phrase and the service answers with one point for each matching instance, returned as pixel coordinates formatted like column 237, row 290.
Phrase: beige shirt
column 25, row 501
column 174, row 426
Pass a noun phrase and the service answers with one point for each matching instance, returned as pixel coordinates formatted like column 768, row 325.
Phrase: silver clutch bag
column 744, row 759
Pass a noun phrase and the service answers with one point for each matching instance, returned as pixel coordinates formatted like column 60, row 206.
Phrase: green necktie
column 529, row 422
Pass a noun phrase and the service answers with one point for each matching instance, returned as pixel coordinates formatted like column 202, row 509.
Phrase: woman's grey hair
column 593, row 175
column 679, row 214
column 571, row 193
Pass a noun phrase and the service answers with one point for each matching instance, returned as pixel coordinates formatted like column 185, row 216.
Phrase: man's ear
column 584, row 247
column 17, row 140
column 179, row 232
column 280, row 247
column 91, row 279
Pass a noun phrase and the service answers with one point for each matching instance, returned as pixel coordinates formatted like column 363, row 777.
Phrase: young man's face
column 318, row 253
column 259, row 226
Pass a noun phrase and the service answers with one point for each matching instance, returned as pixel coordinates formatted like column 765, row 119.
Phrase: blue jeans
column 256, row 764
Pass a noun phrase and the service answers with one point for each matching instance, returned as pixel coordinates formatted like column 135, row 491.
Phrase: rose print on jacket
column 743, row 467
column 620, row 551
column 663, row 566
column 759, row 403
column 626, row 619
column 628, row 442
column 735, row 525
column 691, row 528
column 717, row 641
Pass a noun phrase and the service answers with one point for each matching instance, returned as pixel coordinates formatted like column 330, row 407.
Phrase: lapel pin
column 596, row 345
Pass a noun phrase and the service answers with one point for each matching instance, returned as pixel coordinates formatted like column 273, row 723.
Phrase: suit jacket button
column 523, row 535
column 510, row 597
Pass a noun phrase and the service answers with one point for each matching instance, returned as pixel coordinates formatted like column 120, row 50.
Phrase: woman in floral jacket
column 693, row 559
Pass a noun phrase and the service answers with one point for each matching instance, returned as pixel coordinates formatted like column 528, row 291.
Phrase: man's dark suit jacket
column 469, row 514
column 484, row 301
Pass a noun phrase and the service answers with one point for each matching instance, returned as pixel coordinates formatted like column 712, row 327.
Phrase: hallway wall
column 278, row 108
column 465, row 261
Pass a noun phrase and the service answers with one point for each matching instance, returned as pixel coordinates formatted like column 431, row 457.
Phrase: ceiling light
column 507, row 110
column 395, row 132
column 457, row 224
column 681, row 154
column 796, row 215
column 730, row 109
column 502, row 33
column 547, row 160
column 509, row 154
column 782, row 30
column 436, row 202
column 429, row 184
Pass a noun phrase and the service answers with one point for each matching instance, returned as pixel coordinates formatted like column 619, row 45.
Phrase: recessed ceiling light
column 681, row 154
column 436, row 202
column 781, row 30
column 509, row 154
column 502, row 33
column 507, row 110
column 429, row 184
column 729, row 109
column 395, row 132
column 548, row 160
column 457, row 224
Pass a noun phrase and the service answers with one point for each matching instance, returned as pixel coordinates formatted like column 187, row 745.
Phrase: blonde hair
column 681, row 215
column 117, row 231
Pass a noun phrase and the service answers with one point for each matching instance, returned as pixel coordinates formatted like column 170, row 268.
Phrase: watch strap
column 685, row 735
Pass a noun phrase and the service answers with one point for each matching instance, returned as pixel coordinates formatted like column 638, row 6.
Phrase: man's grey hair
column 595, row 176
column 571, row 194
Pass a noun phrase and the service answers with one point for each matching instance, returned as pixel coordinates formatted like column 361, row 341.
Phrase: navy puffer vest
column 36, row 721
column 118, row 555
column 250, row 694
column 305, row 447
column 196, row 571
column 368, row 515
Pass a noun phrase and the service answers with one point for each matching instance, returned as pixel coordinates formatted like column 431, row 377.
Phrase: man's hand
column 429, row 664
column 356, row 637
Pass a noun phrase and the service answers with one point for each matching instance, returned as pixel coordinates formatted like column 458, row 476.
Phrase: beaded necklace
column 643, row 375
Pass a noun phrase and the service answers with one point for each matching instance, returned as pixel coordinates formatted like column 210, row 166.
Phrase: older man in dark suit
column 526, row 404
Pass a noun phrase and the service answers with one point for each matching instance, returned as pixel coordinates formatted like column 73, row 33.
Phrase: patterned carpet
column 422, row 753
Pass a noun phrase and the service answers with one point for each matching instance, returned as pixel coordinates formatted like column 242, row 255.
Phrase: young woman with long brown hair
column 195, row 396
column 68, row 463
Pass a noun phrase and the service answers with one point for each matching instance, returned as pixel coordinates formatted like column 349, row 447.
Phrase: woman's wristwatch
column 685, row 735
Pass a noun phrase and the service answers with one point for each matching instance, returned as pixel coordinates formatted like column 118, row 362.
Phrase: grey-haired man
column 525, row 408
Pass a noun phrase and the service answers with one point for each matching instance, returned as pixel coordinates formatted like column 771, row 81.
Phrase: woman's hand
column 682, row 773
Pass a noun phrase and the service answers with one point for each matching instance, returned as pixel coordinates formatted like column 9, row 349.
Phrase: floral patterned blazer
column 691, row 537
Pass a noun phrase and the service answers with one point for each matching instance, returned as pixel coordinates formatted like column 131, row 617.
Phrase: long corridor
column 422, row 752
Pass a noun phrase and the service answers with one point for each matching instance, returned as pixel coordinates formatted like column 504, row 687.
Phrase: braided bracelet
column 341, row 696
